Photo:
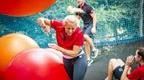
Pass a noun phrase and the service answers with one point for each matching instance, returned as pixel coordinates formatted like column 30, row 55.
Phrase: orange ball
column 24, row 7
column 12, row 44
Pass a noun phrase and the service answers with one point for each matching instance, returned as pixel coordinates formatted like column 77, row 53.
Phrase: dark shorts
column 118, row 72
column 87, row 29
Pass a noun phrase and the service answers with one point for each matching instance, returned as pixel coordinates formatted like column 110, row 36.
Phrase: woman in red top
column 70, row 41
column 122, row 71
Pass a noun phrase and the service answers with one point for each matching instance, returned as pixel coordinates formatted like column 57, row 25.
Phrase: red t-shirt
column 137, row 74
column 63, row 39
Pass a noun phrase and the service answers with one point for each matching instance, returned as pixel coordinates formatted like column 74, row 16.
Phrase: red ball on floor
column 36, row 64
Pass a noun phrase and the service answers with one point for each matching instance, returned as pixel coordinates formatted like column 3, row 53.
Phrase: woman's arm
column 93, row 15
column 125, row 72
column 129, row 61
column 73, row 10
column 44, row 23
column 72, row 53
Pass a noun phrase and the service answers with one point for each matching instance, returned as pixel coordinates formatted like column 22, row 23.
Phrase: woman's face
column 70, row 27
column 137, row 57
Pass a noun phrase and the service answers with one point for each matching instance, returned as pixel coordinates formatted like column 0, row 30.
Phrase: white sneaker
column 94, row 53
column 90, row 62
column 106, row 78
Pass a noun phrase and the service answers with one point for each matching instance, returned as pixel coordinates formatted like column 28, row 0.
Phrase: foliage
column 118, row 19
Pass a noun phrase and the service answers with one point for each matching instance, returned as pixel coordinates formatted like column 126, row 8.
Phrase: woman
column 122, row 70
column 88, row 16
column 69, row 41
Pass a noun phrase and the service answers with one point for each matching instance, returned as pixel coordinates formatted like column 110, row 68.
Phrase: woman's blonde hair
column 73, row 19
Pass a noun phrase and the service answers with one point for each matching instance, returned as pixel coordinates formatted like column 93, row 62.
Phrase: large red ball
column 36, row 64
column 23, row 7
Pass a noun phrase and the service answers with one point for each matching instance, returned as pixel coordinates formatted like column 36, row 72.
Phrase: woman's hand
column 93, row 30
column 70, row 9
column 55, row 46
column 73, row 10
column 41, row 22
column 129, row 60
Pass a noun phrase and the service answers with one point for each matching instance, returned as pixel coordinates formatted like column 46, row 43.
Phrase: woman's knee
column 113, row 61
column 86, row 43
column 116, row 62
column 87, row 37
column 120, row 62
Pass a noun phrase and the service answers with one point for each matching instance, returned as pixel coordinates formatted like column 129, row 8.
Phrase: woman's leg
column 110, row 69
column 80, row 67
column 69, row 67
column 89, row 40
column 91, row 46
column 87, row 50
column 112, row 65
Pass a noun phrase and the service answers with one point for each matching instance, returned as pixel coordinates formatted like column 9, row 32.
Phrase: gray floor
column 98, row 70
